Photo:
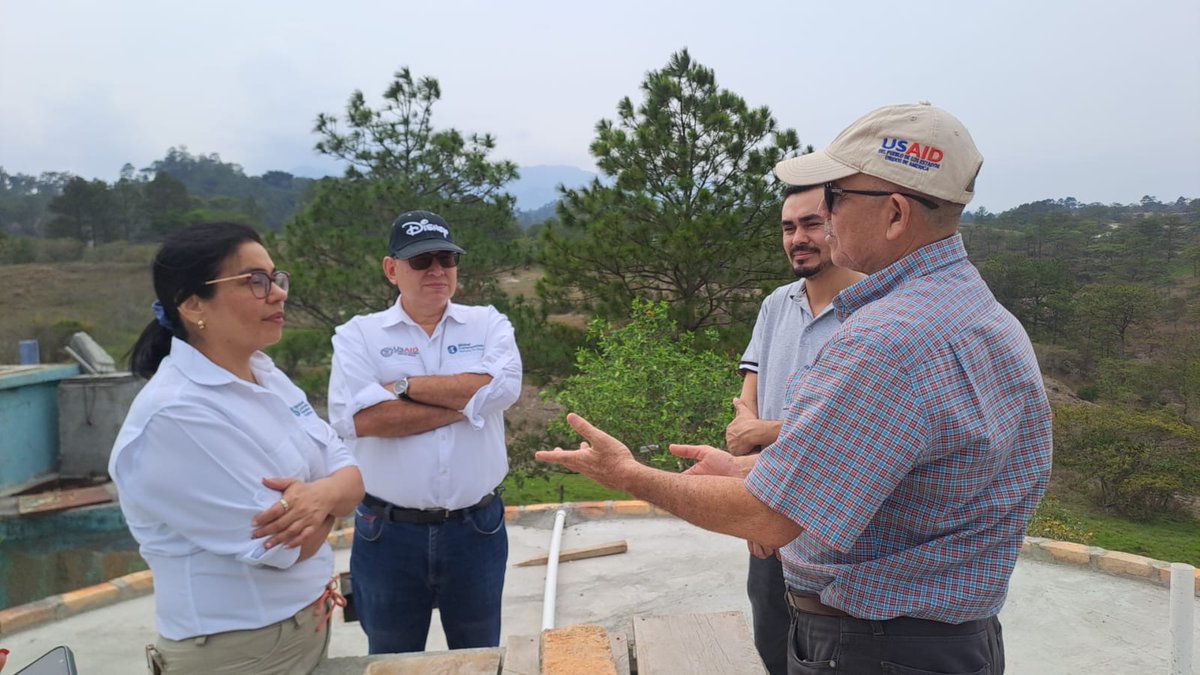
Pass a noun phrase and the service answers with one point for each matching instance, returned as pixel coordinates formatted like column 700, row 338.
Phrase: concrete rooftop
column 1059, row 619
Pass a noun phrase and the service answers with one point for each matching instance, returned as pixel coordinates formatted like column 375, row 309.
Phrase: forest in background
column 684, row 218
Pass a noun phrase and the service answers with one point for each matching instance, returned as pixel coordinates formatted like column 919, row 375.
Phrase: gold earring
column 200, row 324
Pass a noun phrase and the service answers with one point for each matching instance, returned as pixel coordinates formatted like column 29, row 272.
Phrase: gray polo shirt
column 786, row 338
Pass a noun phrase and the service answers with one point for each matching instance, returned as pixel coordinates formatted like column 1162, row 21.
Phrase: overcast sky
column 1095, row 100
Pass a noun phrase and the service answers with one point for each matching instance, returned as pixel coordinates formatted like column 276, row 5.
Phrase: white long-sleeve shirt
column 188, row 465
column 450, row 467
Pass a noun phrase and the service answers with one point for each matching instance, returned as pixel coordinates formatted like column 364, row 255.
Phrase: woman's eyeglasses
column 423, row 261
column 260, row 281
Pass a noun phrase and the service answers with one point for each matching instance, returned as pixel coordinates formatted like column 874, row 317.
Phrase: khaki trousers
column 290, row 647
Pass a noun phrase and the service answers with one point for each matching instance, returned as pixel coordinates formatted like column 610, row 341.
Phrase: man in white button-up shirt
column 419, row 391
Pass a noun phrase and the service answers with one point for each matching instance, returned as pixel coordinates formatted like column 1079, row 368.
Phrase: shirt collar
column 396, row 315
column 195, row 366
column 921, row 262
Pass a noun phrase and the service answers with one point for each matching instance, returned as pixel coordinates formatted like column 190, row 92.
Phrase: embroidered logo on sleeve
column 302, row 409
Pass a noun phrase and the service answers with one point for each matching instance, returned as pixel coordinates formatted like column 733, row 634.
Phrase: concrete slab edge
column 134, row 585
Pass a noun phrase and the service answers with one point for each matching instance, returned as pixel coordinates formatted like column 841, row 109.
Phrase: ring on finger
column 284, row 503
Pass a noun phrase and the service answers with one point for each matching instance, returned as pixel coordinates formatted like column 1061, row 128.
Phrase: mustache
column 800, row 248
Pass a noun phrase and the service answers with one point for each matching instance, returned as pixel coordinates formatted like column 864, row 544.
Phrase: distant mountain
column 538, row 185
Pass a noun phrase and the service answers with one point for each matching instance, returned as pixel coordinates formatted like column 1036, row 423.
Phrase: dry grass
column 112, row 298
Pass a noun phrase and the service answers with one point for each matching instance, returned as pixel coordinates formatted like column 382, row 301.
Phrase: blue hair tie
column 161, row 315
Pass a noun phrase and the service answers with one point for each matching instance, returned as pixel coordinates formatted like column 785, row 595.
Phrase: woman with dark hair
column 228, row 479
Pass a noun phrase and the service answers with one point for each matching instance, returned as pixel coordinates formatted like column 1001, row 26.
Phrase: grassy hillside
column 111, row 301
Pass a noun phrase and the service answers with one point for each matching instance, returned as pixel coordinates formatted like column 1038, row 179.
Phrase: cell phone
column 57, row 661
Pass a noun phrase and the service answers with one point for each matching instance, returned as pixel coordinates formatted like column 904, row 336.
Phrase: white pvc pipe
column 552, row 571
column 1183, row 590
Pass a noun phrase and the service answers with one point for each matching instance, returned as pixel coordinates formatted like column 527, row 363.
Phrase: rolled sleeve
column 353, row 383
column 193, row 472
column 502, row 361
column 854, row 428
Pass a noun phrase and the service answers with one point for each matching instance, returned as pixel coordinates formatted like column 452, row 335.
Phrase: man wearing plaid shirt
column 914, row 450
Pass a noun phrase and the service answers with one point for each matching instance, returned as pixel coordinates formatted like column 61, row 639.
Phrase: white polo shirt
column 451, row 467
column 188, row 465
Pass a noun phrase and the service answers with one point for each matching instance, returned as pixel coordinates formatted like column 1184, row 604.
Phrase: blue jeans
column 401, row 571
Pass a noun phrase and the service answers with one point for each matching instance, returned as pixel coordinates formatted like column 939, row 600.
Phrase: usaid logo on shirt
column 463, row 347
column 388, row 352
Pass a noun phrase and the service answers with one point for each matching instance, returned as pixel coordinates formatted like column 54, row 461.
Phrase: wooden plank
column 581, row 649
column 620, row 650
column 579, row 553
column 717, row 643
column 59, row 500
column 453, row 662
column 521, row 655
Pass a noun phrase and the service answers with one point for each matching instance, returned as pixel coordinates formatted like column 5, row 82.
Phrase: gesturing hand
column 710, row 461
column 600, row 457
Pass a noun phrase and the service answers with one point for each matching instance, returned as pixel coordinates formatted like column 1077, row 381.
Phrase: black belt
column 400, row 514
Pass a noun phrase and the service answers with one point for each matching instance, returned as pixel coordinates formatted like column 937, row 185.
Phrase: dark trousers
column 902, row 646
column 769, row 612
column 401, row 571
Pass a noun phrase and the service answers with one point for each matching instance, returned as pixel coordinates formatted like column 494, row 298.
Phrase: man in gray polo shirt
column 793, row 324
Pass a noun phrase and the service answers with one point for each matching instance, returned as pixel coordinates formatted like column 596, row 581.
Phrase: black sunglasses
column 260, row 281
column 832, row 193
column 446, row 259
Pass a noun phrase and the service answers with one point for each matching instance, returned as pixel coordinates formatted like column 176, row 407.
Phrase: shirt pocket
column 292, row 457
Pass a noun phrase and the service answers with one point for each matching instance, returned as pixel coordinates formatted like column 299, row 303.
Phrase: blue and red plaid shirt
column 915, row 449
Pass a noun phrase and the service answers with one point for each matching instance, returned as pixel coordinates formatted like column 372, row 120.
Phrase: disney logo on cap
column 412, row 228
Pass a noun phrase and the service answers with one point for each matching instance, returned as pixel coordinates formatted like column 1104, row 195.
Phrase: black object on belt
column 810, row 603
column 400, row 514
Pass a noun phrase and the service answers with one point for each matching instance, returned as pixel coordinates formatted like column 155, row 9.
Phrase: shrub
column 1134, row 461
column 1052, row 520
column 650, row 384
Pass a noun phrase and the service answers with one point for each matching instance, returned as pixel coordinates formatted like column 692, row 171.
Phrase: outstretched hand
column 600, row 457
column 710, row 461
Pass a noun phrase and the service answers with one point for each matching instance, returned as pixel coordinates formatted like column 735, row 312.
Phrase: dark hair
column 797, row 189
column 185, row 261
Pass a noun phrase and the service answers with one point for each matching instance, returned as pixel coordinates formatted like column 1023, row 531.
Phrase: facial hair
column 807, row 270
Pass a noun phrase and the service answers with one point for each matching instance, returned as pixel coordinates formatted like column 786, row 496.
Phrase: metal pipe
column 552, row 571
column 1183, row 591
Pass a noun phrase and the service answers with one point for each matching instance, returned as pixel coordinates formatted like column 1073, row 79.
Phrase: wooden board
column 521, row 655
column 580, row 649
column 717, row 643
column 59, row 500
column 579, row 553
column 455, row 662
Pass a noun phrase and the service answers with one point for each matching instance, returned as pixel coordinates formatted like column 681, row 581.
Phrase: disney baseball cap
column 417, row 232
column 920, row 147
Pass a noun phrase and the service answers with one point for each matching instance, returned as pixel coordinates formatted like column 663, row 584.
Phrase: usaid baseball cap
column 920, row 147
column 417, row 232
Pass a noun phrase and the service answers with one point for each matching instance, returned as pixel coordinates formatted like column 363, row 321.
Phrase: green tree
column 1036, row 291
column 166, row 203
column 396, row 161
column 649, row 384
column 1106, row 313
column 688, row 210
column 85, row 211
column 1135, row 461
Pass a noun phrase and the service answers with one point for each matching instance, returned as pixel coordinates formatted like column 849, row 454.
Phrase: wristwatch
column 400, row 388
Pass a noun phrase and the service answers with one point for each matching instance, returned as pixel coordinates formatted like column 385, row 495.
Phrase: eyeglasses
column 832, row 193
column 260, row 281
column 446, row 259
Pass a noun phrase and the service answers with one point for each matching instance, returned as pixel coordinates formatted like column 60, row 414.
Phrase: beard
column 804, row 271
